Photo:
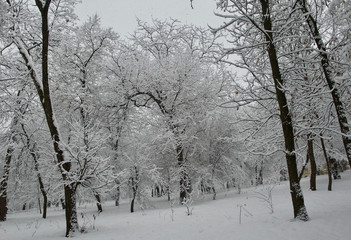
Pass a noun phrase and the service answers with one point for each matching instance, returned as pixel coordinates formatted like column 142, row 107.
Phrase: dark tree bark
column 3, row 184
column 33, row 152
column 134, row 181
column 313, row 164
column 43, row 91
column 118, row 193
column 65, row 166
column 300, row 211
column 42, row 188
column 328, row 74
column 98, row 202
column 70, row 209
column 330, row 180
column 132, row 205
column 304, row 166
column 259, row 175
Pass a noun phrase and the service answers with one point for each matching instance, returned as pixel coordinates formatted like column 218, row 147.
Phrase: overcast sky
column 121, row 14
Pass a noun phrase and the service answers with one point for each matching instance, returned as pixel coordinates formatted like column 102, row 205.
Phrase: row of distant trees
column 87, row 115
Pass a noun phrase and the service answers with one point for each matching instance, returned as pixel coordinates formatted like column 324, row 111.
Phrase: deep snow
column 330, row 214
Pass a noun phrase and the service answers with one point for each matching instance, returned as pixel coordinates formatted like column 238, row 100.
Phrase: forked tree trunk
column 300, row 211
column 328, row 74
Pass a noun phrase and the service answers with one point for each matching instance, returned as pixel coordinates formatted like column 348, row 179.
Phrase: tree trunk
column 33, row 152
column 168, row 186
column 313, row 164
column 214, row 193
column 118, row 193
column 70, row 209
column 334, row 168
column 300, row 211
column 330, row 180
column 63, row 204
column 184, row 183
column 39, row 205
column 43, row 91
column 132, row 204
column 98, row 202
column 325, row 64
column 259, row 175
column 304, row 166
column 3, row 184
column 45, row 205
column 134, row 183
column 45, row 99
column 43, row 192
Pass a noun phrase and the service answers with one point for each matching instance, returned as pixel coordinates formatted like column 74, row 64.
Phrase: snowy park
column 210, row 219
column 177, row 119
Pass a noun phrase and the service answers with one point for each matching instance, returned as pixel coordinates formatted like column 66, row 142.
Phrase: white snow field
column 330, row 214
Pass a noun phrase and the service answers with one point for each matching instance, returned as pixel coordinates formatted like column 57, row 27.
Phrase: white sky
column 121, row 14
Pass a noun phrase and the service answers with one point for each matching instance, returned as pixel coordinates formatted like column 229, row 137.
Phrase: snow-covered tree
column 255, row 31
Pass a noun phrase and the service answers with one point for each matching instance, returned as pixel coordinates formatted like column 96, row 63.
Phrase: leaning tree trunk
column 325, row 63
column 300, row 211
column 313, row 164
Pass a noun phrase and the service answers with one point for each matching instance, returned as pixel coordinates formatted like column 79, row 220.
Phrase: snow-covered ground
column 330, row 214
